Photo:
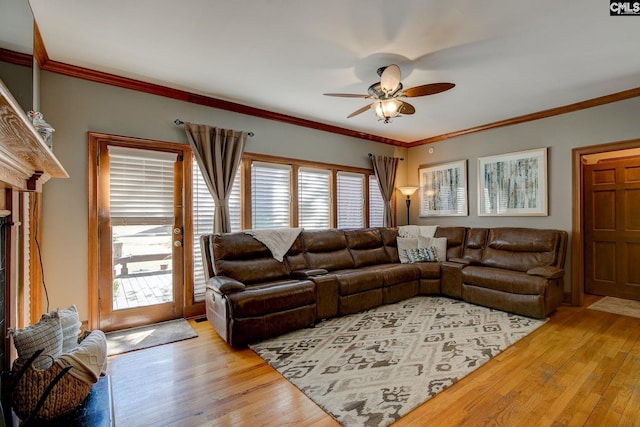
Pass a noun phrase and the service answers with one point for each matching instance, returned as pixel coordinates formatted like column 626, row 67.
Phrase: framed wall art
column 443, row 189
column 513, row 184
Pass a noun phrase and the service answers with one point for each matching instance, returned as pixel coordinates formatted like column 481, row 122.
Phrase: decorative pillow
column 422, row 255
column 405, row 243
column 46, row 335
column 70, row 324
column 440, row 243
column 417, row 230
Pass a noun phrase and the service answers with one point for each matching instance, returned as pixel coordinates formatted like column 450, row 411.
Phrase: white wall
column 74, row 107
column 607, row 123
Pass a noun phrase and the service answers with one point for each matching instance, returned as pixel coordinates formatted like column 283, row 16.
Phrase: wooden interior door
column 612, row 228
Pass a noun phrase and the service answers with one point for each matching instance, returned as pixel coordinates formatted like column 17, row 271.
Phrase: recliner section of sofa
column 326, row 273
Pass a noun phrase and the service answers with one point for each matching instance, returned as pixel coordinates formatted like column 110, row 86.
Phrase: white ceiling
column 507, row 58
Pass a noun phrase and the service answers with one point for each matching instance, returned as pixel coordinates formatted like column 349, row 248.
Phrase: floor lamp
column 408, row 191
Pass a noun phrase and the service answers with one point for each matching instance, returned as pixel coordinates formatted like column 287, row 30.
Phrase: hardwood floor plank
column 581, row 368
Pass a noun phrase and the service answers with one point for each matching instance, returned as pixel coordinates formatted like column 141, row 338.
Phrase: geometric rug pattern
column 371, row 368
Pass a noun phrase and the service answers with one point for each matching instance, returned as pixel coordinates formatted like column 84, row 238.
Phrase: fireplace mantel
column 25, row 161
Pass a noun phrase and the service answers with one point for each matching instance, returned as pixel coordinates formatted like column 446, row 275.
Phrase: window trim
column 245, row 179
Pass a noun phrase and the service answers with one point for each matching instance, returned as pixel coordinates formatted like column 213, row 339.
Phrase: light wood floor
column 581, row 368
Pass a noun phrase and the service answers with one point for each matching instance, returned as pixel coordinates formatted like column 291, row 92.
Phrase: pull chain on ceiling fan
column 387, row 92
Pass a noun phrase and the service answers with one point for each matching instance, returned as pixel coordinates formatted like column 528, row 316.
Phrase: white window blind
column 203, row 223
column 376, row 203
column 234, row 204
column 270, row 195
column 314, row 198
column 350, row 199
column 141, row 186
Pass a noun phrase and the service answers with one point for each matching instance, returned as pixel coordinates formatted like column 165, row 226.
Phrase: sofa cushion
column 474, row 245
column 241, row 257
column 272, row 297
column 392, row 274
column 520, row 249
column 366, row 247
column 428, row 270
column 356, row 281
column 327, row 249
column 389, row 236
column 295, row 256
column 228, row 246
column 365, row 257
column 455, row 240
column 498, row 279
column 249, row 271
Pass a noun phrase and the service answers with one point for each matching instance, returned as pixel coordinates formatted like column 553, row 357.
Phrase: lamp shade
column 387, row 109
column 408, row 191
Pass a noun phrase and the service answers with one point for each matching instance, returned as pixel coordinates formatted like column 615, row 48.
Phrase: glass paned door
column 140, row 237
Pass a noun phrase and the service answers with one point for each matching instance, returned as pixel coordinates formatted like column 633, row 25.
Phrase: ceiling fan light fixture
column 387, row 109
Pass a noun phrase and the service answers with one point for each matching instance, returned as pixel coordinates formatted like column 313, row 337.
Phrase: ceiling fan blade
column 429, row 89
column 406, row 108
column 359, row 111
column 390, row 78
column 347, row 95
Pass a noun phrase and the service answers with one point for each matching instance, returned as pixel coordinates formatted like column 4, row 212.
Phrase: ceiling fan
column 387, row 92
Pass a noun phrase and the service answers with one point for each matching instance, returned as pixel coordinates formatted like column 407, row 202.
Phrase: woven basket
column 64, row 397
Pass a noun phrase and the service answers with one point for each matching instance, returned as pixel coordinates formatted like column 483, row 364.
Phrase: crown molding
column 46, row 64
column 16, row 58
column 582, row 105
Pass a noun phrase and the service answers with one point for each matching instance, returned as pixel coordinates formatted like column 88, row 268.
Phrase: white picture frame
column 513, row 184
column 443, row 189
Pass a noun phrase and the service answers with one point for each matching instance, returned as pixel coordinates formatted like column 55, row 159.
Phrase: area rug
column 614, row 305
column 371, row 368
column 141, row 337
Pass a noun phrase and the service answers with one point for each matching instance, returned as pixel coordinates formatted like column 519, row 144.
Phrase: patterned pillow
column 422, row 255
column 70, row 324
column 405, row 244
column 439, row 243
column 46, row 335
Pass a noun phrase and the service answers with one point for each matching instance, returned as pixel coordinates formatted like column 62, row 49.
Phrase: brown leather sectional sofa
column 251, row 296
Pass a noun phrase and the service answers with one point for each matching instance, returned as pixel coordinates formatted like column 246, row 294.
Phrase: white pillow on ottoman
column 45, row 335
column 70, row 324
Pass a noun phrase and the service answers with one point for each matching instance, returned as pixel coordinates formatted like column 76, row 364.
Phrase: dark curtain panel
column 218, row 153
column 385, row 170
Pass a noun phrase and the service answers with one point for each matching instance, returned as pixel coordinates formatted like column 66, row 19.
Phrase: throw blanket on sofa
column 278, row 240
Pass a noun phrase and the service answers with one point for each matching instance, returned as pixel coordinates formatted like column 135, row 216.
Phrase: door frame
column 190, row 308
column 577, row 220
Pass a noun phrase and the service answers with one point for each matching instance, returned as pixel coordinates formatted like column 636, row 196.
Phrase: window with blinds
column 376, row 203
column 314, row 198
column 350, row 192
column 203, row 206
column 132, row 170
column 270, row 195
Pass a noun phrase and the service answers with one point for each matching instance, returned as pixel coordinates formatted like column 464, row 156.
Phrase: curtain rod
column 371, row 155
column 179, row 122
